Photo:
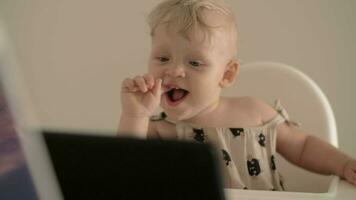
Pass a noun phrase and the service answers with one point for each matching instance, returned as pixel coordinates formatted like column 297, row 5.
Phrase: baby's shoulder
column 251, row 108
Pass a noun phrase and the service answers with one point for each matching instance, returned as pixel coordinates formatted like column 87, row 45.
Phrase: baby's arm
column 133, row 126
column 308, row 151
column 313, row 153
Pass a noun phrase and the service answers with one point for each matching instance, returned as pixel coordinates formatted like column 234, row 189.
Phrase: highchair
column 305, row 103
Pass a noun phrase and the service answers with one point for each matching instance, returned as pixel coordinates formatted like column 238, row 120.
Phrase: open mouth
column 176, row 95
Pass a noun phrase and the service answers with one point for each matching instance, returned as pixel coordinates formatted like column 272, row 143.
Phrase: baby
column 193, row 57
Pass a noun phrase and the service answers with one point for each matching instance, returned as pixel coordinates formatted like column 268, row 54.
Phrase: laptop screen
column 97, row 167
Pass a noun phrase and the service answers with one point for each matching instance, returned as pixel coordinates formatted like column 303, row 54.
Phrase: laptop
column 101, row 167
column 62, row 164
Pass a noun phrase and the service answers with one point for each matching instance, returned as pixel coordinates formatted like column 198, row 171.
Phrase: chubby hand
column 350, row 171
column 140, row 96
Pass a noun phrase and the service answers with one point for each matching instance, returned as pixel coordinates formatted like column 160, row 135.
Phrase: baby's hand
column 140, row 96
column 350, row 172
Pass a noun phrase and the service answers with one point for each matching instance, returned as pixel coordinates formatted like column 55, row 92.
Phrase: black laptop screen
column 94, row 167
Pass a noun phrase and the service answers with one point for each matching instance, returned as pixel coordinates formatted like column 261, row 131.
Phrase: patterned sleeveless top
column 247, row 155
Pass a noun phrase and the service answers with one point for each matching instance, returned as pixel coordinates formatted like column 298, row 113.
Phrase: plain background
column 75, row 53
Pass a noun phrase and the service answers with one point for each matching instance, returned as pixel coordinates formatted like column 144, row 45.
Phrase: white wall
column 75, row 53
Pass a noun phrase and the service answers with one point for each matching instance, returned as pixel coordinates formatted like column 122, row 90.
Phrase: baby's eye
column 162, row 59
column 195, row 64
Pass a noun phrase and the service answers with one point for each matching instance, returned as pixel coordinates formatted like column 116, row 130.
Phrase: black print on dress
column 199, row 135
column 163, row 115
column 245, row 188
column 226, row 157
column 273, row 163
column 159, row 117
column 262, row 140
column 253, row 167
column 236, row 131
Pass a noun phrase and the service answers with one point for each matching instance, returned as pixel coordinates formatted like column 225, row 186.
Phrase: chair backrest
column 305, row 103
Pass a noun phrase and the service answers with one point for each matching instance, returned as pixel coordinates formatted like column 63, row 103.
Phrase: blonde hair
column 185, row 15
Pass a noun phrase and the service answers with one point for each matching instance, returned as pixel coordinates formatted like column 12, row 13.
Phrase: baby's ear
column 230, row 74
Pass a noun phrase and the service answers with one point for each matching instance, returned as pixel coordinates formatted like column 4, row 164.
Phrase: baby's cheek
column 201, row 93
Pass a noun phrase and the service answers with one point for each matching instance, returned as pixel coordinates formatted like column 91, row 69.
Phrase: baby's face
column 191, row 70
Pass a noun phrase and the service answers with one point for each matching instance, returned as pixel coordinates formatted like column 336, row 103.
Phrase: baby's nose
column 176, row 71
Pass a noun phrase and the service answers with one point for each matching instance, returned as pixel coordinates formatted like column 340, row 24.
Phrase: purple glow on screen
column 15, row 179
